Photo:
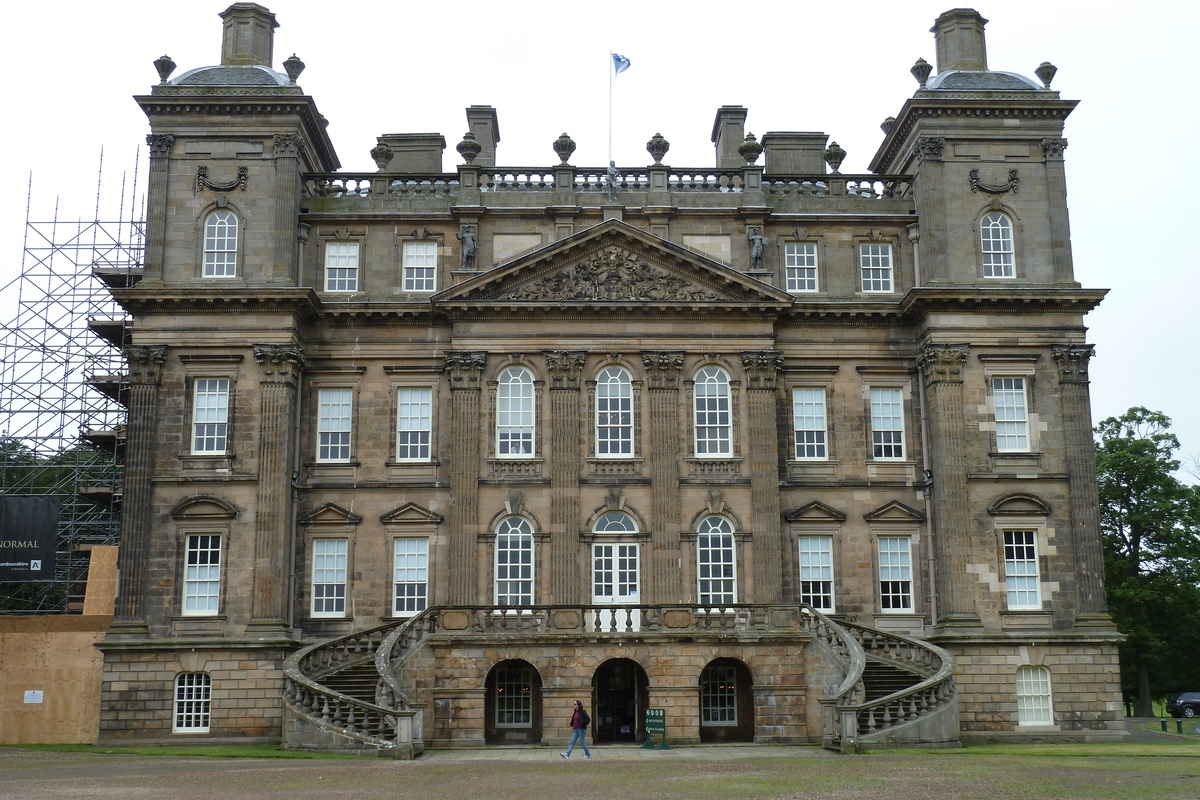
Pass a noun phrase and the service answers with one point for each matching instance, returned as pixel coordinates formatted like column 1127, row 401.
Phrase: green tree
column 1151, row 527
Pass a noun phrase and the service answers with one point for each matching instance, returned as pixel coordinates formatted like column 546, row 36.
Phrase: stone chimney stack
column 249, row 35
column 960, row 40
column 483, row 122
column 729, row 131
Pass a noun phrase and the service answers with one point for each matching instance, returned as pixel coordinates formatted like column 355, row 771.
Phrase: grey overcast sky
column 404, row 66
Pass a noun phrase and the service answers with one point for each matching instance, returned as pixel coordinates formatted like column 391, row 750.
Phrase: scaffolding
column 64, row 383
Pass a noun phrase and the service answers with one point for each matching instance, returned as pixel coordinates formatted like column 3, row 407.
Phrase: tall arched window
column 714, row 427
column 193, row 702
column 716, row 562
column 996, row 241
column 614, row 413
column 220, row 244
column 514, row 562
column 1034, row 705
column 514, row 413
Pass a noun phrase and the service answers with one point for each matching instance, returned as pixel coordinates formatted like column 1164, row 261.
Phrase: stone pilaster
column 1072, row 362
column 1060, row 223
column 156, row 204
column 565, row 368
column 931, row 208
column 663, row 373
column 281, row 366
column 286, row 193
column 464, row 369
column 941, row 366
column 145, row 376
column 762, row 379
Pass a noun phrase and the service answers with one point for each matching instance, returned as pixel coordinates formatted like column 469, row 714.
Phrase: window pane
column 716, row 562
column 220, row 244
column 800, row 260
column 193, row 702
column 329, row 577
column 514, row 562
column 887, row 423
column 210, row 415
column 996, row 241
column 514, row 413
column 718, row 696
column 341, row 267
column 1012, row 418
column 875, row 260
column 1021, row 569
column 411, row 576
column 808, row 412
column 713, row 428
column 202, row 575
column 514, row 697
column 816, row 571
column 895, row 574
column 333, row 424
column 414, row 424
column 1033, row 696
column 420, row 266
column 614, row 413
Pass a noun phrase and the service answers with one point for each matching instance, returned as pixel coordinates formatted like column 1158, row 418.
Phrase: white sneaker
column 588, row 755
column 564, row 755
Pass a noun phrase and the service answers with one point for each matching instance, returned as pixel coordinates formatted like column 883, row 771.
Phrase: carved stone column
column 156, row 205
column 942, row 366
column 931, row 208
column 1060, row 222
column 281, row 366
column 762, row 379
column 145, row 375
column 663, row 371
column 565, row 368
column 1072, row 361
column 464, row 369
column 287, row 209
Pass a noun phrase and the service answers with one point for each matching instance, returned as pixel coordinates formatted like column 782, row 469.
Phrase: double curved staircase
column 348, row 694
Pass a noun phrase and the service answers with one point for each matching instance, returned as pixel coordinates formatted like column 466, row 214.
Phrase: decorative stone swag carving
column 465, row 368
column 994, row 188
column 762, row 368
column 663, row 368
column 279, row 363
column 565, row 368
column 145, row 364
column 929, row 148
column 202, row 181
column 942, row 362
column 1072, row 361
column 160, row 144
column 1053, row 148
column 614, row 273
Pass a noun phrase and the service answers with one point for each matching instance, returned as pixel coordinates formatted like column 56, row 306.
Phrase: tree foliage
column 1151, row 527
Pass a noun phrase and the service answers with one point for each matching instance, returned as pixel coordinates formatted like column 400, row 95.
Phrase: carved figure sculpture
column 614, row 178
column 758, row 243
column 467, row 237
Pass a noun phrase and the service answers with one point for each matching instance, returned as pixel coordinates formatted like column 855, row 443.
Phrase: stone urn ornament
column 834, row 156
column 563, row 146
column 165, row 67
column 657, row 147
column 750, row 149
column 381, row 154
column 293, row 67
column 468, row 148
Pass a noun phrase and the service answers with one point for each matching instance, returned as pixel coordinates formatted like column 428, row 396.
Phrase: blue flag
column 620, row 63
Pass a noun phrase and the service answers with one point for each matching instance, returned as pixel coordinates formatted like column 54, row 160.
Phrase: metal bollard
column 1163, row 722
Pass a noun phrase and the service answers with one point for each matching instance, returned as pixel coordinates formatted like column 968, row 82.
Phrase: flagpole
column 611, row 70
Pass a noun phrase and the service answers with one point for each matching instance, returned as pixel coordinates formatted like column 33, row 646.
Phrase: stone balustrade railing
column 870, row 187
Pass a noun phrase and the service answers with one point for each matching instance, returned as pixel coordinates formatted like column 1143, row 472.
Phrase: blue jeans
column 579, row 735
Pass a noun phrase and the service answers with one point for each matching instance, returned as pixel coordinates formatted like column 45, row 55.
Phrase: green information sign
column 656, row 725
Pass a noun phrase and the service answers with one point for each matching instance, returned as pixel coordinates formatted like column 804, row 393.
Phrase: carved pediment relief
column 614, row 262
column 330, row 514
column 204, row 507
column 816, row 511
column 1019, row 504
column 410, row 513
column 894, row 511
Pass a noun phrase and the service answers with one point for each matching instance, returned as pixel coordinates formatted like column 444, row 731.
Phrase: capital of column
column 160, row 144
column 762, row 368
column 565, row 368
column 465, row 368
column 929, row 148
column 942, row 362
column 145, row 364
column 1072, row 361
column 663, row 368
column 280, row 363
column 287, row 145
column 1053, row 148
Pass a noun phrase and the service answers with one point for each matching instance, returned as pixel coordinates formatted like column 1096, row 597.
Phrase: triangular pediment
column 410, row 513
column 894, row 511
column 816, row 511
column 613, row 265
column 331, row 514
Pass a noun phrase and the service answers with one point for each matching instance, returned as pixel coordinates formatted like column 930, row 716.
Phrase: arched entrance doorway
column 726, row 702
column 619, row 689
column 513, row 704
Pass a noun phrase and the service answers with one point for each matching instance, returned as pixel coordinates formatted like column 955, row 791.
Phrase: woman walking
column 579, row 723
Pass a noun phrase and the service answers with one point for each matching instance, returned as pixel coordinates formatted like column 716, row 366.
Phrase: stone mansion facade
column 416, row 457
